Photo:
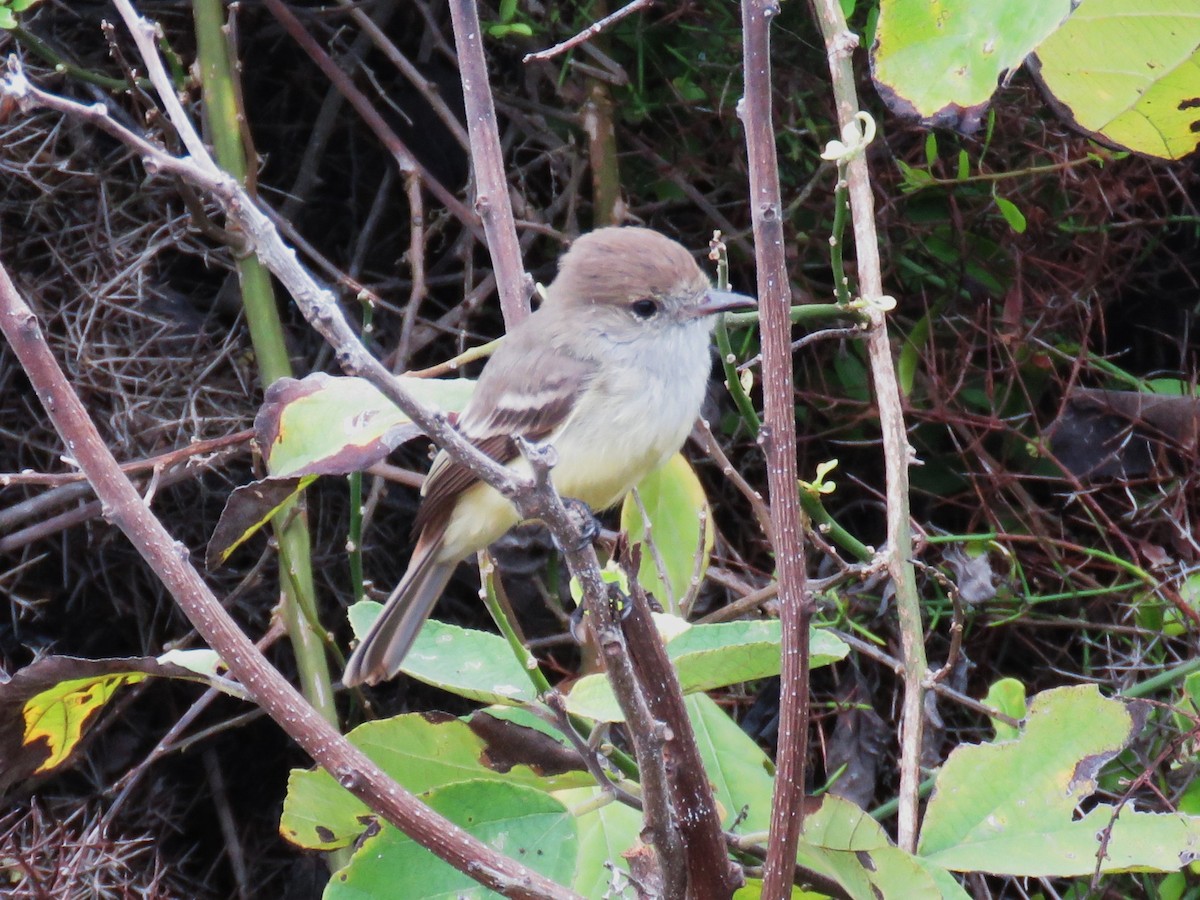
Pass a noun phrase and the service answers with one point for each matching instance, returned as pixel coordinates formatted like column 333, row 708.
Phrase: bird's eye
column 644, row 309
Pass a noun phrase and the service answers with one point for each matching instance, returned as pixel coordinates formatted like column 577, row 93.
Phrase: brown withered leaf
column 509, row 744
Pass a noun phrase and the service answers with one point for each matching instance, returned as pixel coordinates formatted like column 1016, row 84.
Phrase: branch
column 898, row 455
column 318, row 305
column 703, row 859
column 533, row 500
column 778, row 439
column 487, row 162
column 170, row 560
column 588, row 33
column 406, row 162
column 534, row 497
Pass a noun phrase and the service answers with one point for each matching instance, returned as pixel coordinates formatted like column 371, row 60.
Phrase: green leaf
column 845, row 844
column 720, row 654
column 1010, row 808
column 941, row 61
column 504, row 30
column 688, row 90
column 1187, row 707
column 421, row 753
column 326, row 425
column 676, row 506
column 741, row 774
column 1007, row 696
column 910, row 354
column 477, row 665
column 1170, row 387
column 753, row 890
column 8, row 10
column 1129, row 70
column 931, row 149
column 853, row 376
column 1013, row 216
column 708, row 657
column 914, row 179
column 964, row 166
column 606, row 830
column 524, row 823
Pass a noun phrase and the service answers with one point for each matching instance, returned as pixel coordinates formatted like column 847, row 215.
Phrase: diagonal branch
column 171, row 562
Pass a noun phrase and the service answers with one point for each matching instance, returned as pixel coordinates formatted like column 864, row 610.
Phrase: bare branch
column 778, row 440
column 487, row 162
column 588, row 33
column 839, row 44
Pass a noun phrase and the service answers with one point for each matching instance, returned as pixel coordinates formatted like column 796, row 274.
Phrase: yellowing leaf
column 941, row 61
column 1129, row 70
column 326, row 425
column 57, row 716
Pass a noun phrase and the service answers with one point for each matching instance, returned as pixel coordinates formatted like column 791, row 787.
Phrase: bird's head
column 634, row 279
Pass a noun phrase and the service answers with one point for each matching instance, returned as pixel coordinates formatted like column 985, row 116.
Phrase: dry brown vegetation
column 998, row 330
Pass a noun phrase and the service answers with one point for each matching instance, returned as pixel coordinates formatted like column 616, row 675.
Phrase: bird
column 610, row 371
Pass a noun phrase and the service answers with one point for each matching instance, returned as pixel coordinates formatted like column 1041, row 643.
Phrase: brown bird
column 610, row 371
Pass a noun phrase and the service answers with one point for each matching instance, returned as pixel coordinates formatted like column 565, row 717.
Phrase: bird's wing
column 525, row 392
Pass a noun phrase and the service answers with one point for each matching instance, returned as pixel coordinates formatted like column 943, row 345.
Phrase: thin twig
column 588, row 33
column 405, row 160
column 85, row 512
column 702, row 435
column 423, row 85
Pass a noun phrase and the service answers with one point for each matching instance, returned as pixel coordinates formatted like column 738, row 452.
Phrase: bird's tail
column 381, row 652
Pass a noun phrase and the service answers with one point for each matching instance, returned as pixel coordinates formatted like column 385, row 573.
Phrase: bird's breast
column 636, row 414
column 630, row 419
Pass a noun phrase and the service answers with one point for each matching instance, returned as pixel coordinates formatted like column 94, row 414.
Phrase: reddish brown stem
column 710, row 874
column 778, row 439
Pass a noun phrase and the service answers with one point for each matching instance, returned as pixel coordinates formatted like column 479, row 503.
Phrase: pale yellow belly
column 596, row 465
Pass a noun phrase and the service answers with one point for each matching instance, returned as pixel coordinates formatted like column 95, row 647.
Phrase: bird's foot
column 585, row 521
column 618, row 601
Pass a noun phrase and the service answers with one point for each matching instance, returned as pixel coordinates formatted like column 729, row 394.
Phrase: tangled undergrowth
column 1066, row 573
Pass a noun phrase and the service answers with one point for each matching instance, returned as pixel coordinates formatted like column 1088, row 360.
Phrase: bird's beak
column 722, row 301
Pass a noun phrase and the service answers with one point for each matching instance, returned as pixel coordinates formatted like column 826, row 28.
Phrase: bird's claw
column 619, row 602
column 585, row 521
